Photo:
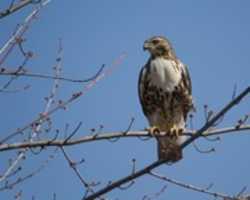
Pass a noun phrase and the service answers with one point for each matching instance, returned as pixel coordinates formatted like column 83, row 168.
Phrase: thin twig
column 155, row 195
column 73, row 133
column 210, row 150
column 6, row 85
column 43, row 76
column 190, row 187
column 72, row 165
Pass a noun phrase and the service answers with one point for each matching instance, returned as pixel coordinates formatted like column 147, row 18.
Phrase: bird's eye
column 155, row 41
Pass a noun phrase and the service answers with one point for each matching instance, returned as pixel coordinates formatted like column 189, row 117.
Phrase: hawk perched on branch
column 165, row 95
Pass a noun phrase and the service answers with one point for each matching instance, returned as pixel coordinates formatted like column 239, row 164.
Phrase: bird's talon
column 181, row 130
column 175, row 132
column 154, row 131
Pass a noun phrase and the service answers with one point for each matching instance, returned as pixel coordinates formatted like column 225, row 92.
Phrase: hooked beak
column 146, row 46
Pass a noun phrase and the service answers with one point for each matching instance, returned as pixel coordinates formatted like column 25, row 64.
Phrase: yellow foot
column 154, row 131
column 175, row 132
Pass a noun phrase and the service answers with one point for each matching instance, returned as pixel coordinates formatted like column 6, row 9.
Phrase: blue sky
column 211, row 37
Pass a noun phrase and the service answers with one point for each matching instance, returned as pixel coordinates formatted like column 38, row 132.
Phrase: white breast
column 164, row 74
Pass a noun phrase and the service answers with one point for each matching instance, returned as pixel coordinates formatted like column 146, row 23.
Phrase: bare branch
column 5, row 72
column 156, row 164
column 15, row 7
column 6, row 85
column 42, row 117
column 210, row 150
column 155, row 195
column 72, row 165
column 73, row 133
column 217, row 116
column 191, row 187
column 39, row 122
column 107, row 136
column 10, row 44
column 30, row 175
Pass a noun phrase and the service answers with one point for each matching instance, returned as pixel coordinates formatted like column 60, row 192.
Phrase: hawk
column 165, row 93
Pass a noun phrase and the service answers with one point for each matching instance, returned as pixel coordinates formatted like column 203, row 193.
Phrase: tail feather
column 168, row 150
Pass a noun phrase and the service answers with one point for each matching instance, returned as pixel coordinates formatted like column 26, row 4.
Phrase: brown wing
column 141, row 88
column 186, row 90
column 186, row 78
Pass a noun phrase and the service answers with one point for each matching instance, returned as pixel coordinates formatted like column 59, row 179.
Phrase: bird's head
column 159, row 46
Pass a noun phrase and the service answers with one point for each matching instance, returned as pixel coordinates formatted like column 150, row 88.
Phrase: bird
column 165, row 94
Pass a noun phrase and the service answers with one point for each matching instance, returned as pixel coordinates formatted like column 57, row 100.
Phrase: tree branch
column 37, row 128
column 17, row 36
column 5, row 72
column 107, row 136
column 77, row 95
column 15, row 7
column 191, row 187
column 156, row 164
column 217, row 116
